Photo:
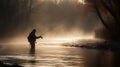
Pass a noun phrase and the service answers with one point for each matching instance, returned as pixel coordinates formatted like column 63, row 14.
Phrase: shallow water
column 55, row 55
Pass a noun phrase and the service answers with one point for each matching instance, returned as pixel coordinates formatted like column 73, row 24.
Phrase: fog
column 53, row 19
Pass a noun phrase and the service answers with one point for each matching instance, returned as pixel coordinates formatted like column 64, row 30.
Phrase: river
column 56, row 55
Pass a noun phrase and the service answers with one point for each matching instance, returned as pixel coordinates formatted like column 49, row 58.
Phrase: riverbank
column 113, row 46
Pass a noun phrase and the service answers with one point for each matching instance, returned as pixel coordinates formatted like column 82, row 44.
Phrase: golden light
column 59, row 1
column 60, row 40
column 81, row 1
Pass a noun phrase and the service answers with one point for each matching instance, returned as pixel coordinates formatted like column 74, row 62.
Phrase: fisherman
column 32, row 38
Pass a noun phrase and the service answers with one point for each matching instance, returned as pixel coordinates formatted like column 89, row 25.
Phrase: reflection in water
column 32, row 52
column 61, row 56
column 116, row 60
column 102, row 58
column 32, row 55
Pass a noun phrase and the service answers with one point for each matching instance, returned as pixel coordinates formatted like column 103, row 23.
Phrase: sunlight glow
column 59, row 1
column 81, row 1
column 60, row 40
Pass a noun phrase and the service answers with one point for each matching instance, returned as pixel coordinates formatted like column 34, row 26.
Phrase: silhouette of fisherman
column 32, row 38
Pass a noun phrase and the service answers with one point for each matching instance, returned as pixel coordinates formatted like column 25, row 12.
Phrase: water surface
column 56, row 55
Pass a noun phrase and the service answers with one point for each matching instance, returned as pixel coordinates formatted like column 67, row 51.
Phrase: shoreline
column 113, row 46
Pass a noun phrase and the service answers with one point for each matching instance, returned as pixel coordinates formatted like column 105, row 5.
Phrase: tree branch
column 111, row 12
column 103, row 22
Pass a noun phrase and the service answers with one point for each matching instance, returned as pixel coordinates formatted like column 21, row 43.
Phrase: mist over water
column 66, row 19
column 67, row 27
column 57, row 55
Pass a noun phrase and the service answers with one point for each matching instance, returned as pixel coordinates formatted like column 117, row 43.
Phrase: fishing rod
column 41, row 36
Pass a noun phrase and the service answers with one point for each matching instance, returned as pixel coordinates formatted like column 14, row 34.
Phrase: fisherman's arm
column 39, row 37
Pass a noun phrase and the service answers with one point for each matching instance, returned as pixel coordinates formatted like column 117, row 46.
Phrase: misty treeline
column 108, row 12
column 12, row 13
